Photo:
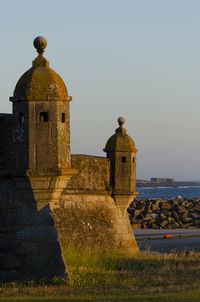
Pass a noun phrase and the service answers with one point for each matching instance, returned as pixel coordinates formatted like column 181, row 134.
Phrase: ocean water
column 167, row 192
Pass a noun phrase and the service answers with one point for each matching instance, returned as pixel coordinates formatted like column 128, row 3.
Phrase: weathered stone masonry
column 50, row 198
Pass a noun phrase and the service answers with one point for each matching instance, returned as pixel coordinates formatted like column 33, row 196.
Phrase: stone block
column 40, row 267
column 50, row 248
column 46, row 220
column 194, row 215
column 45, row 211
column 8, row 261
column 37, row 233
column 122, row 229
column 164, row 223
column 10, row 275
column 24, row 247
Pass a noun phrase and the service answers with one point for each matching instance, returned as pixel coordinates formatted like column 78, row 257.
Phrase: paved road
column 168, row 245
column 140, row 233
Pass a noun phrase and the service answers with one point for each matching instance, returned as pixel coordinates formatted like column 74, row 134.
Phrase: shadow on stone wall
column 29, row 245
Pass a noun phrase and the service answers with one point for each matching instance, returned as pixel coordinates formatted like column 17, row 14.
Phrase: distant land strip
column 165, row 182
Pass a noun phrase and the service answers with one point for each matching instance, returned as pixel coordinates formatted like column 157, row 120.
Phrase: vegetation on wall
column 85, row 225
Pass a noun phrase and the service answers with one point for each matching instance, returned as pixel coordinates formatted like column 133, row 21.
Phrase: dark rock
column 194, row 215
column 168, row 213
column 164, row 223
column 136, row 213
column 163, row 216
column 136, row 225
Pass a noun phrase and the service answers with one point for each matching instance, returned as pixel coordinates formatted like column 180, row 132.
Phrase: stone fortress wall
column 85, row 216
column 52, row 199
column 93, row 173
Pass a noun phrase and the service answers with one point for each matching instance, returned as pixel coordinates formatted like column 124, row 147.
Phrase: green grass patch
column 103, row 276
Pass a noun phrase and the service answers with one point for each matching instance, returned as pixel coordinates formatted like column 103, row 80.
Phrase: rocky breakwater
column 165, row 213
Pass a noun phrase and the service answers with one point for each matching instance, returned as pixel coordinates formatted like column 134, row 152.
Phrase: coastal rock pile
column 165, row 213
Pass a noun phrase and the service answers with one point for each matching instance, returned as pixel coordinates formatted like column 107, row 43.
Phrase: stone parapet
column 93, row 173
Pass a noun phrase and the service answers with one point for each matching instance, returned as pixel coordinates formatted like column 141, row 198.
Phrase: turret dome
column 120, row 141
column 40, row 82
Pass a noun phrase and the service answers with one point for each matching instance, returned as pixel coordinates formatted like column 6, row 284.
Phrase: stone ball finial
column 121, row 121
column 40, row 43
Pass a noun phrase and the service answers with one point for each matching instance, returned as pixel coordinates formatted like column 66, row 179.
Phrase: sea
column 168, row 192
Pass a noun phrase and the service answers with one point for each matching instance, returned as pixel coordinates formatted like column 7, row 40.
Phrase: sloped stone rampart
column 30, row 237
column 93, row 221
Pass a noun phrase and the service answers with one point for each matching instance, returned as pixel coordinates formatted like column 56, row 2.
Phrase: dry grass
column 96, row 276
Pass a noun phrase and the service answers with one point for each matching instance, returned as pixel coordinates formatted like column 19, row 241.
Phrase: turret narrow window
column 133, row 160
column 123, row 159
column 63, row 117
column 21, row 118
column 44, row 117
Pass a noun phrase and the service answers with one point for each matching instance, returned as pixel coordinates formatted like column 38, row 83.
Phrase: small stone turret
column 121, row 151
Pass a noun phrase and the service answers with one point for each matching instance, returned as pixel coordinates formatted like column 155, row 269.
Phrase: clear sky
column 137, row 59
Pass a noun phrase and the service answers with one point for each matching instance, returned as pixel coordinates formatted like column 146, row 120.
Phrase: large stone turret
column 41, row 114
column 42, row 168
column 41, row 132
